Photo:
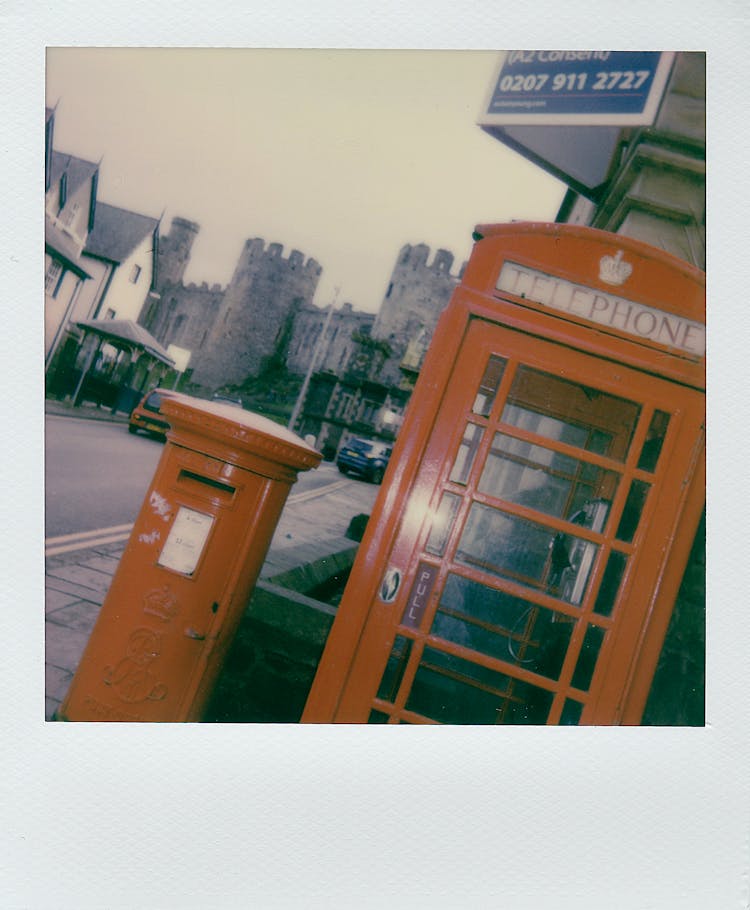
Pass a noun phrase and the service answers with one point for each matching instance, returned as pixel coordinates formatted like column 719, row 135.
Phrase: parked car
column 147, row 416
column 225, row 398
column 364, row 457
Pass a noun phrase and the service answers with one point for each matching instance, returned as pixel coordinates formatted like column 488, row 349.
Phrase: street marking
column 318, row 491
column 66, row 543
column 85, row 544
column 81, row 535
column 80, row 540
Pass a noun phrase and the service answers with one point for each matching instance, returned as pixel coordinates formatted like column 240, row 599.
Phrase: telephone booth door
column 525, row 583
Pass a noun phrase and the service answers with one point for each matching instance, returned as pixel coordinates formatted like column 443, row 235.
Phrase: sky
column 345, row 155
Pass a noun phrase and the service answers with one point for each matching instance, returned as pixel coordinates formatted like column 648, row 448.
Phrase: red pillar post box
column 192, row 560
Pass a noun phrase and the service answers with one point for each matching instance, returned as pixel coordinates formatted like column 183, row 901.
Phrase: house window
column 63, row 191
column 135, row 274
column 92, row 200
column 53, row 278
column 69, row 214
column 110, row 314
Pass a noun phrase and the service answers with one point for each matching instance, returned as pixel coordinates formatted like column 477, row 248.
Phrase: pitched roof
column 78, row 170
column 129, row 334
column 117, row 232
column 62, row 246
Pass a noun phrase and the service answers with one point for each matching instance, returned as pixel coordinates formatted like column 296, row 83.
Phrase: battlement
column 184, row 224
column 256, row 248
column 443, row 261
column 418, row 257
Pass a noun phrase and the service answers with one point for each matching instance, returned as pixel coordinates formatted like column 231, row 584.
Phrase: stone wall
column 339, row 345
column 185, row 314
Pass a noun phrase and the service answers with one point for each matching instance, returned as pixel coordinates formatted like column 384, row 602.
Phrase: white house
column 120, row 256
column 69, row 211
column 100, row 259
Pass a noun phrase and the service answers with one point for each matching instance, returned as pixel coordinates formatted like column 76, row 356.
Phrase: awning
column 127, row 335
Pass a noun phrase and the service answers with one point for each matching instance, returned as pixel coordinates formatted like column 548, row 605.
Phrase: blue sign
column 578, row 87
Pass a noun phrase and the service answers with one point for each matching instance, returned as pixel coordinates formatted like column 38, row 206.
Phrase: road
column 96, row 475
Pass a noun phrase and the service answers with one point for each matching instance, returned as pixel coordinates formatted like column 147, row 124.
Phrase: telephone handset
column 575, row 573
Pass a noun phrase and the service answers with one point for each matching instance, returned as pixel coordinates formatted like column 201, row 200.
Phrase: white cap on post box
column 239, row 437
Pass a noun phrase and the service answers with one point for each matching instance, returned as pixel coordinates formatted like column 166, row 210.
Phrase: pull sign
column 391, row 584
column 421, row 589
column 186, row 541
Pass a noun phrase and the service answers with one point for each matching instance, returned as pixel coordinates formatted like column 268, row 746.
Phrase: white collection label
column 186, row 540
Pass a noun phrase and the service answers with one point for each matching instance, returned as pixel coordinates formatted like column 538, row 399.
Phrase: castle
column 264, row 325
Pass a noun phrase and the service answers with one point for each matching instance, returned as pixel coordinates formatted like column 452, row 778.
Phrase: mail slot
column 192, row 560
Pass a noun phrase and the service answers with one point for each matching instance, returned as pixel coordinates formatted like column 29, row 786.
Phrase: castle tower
column 174, row 252
column 255, row 321
column 417, row 294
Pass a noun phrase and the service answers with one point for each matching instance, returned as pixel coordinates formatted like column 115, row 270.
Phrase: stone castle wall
column 231, row 331
column 186, row 314
column 266, row 314
column 339, row 345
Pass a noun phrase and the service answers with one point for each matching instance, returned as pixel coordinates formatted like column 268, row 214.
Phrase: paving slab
column 63, row 650
column 55, row 600
column 80, row 615
column 101, row 563
column 57, row 682
column 62, row 585
column 84, row 577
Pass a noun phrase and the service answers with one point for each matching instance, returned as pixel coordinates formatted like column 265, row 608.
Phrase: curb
column 83, row 412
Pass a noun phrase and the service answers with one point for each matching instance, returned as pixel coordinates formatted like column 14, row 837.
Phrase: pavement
column 86, row 410
column 312, row 529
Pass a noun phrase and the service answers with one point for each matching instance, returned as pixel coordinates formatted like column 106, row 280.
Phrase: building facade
column 120, row 256
column 367, row 366
column 657, row 192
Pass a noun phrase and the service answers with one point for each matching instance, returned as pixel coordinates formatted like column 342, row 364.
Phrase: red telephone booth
column 522, row 561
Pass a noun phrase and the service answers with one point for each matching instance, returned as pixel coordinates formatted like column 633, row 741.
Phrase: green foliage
column 372, row 344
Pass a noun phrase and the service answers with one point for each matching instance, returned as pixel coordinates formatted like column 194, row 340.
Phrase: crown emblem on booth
column 614, row 269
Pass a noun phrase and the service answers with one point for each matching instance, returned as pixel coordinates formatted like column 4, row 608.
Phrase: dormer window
column 92, row 200
column 63, row 191
column 69, row 216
